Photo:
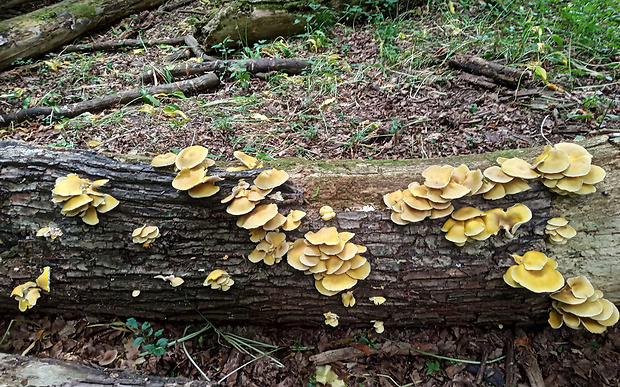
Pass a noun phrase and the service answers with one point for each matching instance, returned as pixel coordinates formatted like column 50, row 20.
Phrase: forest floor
column 378, row 88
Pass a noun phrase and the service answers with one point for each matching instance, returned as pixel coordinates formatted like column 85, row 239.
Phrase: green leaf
column 145, row 326
column 264, row 156
column 162, row 342
column 158, row 351
column 179, row 94
column 559, row 41
column 26, row 102
column 158, row 333
column 149, row 98
column 138, row 341
column 132, row 323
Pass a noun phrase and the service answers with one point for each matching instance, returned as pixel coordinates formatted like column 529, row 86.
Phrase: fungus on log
column 425, row 278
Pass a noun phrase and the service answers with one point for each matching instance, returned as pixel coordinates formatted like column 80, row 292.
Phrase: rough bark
column 117, row 44
column 503, row 75
column 14, row 370
column 193, row 85
column 425, row 278
column 254, row 66
column 30, row 35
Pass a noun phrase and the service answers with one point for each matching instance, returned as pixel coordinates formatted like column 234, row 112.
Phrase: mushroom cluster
column 567, row 169
column 507, row 179
column 535, row 272
column 192, row 164
column 80, row 197
column 271, row 249
column 579, row 305
column 174, row 280
column 219, row 279
column 331, row 258
column 51, row 232
column 348, row 300
column 247, row 161
column 471, row 224
column 559, row 231
column 28, row 293
column 433, row 199
column 331, row 319
column 327, row 213
column 145, row 235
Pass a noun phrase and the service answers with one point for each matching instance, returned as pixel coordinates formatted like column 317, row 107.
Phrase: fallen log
column 30, row 35
column 261, row 65
column 501, row 74
column 193, row 85
column 117, row 44
column 425, row 278
column 18, row 370
column 192, row 43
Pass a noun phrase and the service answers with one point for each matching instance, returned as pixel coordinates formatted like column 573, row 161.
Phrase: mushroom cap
column 496, row 192
column 473, row 181
column 539, row 281
column 508, row 277
column 90, row 216
column 411, row 215
column 517, row 167
column 191, row 157
column 592, row 325
column 456, row 233
column 595, row 175
column 275, row 222
column 437, row 177
column 318, row 284
column 417, row 203
column 454, row 191
column 348, row 300
column 474, row 226
column 256, row 194
column 611, row 320
column 566, row 296
column 69, row 186
column 555, row 162
column 580, row 286
column 109, row 203
column 348, row 252
column 514, row 217
column 460, row 173
column 213, row 276
column 555, row 319
column 247, row 160
column 296, row 215
column 76, row 202
column 466, row 213
column 585, row 309
column 542, row 156
column 338, row 282
column 325, row 210
column 570, row 184
column 188, row 178
column 270, row 178
column 20, row 290
column 531, row 260
column 32, row 295
column 579, row 166
column 326, row 235
column 566, row 231
column 240, row 206
column 258, row 217
column 440, row 213
column 396, row 218
column 607, row 312
column 294, row 254
column 497, row 175
column 586, row 189
column 515, row 186
column 206, row 188
column 393, row 198
column 361, row 272
column 176, row 281
column 557, row 222
column 108, row 357
column 164, row 160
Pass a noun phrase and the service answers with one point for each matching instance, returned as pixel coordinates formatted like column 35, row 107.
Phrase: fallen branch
column 262, row 65
column 193, row 85
column 500, row 74
column 193, row 45
column 117, row 44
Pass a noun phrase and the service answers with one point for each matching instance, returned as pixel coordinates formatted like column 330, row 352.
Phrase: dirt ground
column 350, row 105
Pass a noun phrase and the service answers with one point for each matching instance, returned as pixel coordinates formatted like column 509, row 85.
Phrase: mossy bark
column 425, row 278
column 30, row 35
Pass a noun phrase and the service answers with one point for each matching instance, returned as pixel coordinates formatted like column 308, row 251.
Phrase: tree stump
column 425, row 278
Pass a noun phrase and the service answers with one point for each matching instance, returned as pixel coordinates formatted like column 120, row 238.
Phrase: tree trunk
column 425, row 278
column 46, row 29
column 50, row 372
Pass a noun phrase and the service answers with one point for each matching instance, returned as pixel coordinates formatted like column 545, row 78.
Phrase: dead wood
column 425, row 278
column 352, row 353
column 18, row 370
column 500, row 74
column 511, row 377
column 193, row 85
column 262, row 65
column 192, row 43
column 528, row 361
column 174, row 5
column 118, row 44
column 30, row 35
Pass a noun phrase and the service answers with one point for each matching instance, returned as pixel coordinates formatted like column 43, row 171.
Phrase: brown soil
column 375, row 113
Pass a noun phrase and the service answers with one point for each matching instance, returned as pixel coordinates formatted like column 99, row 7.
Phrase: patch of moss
column 84, row 10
